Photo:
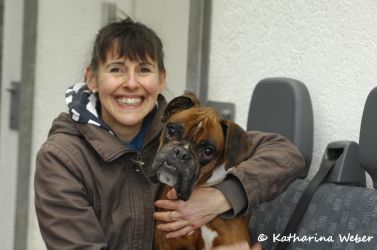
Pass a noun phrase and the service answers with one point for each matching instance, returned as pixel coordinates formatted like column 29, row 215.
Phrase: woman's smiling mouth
column 132, row 101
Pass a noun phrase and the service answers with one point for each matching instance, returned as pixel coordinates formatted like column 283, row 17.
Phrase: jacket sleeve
column 65, row 216
column 273, row 164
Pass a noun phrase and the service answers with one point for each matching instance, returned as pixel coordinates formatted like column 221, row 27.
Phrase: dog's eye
column 173, row 131
column 208, row 152
column 170, row 130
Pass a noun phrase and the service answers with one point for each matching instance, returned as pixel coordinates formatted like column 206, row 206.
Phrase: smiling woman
column 97, row 152
column 128, row 72
column 128, row 91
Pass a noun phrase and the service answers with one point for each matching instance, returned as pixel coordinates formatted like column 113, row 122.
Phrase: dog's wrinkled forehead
column 200, row 123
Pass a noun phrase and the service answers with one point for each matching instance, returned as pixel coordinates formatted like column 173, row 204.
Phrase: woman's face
column 127, row 91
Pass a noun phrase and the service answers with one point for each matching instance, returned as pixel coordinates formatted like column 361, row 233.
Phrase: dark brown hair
column 130, row 39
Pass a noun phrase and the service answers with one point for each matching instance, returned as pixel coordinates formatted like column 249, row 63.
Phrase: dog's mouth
column 172, row 170
column 167, row 174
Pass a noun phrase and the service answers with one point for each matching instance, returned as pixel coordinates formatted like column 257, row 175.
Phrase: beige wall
column 329, row 45
column 11, row 71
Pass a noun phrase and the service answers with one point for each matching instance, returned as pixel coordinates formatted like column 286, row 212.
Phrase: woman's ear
column 162, row 81
column 90, row 79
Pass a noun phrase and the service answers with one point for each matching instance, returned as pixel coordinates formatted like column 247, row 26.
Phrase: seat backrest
column 336, row 211
column 347, row 169
column 283, row 106
column 368, row 136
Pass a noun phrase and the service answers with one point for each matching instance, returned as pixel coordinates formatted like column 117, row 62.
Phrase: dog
column 197, row 148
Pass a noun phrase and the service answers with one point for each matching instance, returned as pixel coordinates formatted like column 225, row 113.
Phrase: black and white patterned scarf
column 83, row 106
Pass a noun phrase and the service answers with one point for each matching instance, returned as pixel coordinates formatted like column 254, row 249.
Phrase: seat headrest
column 283, row 106
column 368, row 136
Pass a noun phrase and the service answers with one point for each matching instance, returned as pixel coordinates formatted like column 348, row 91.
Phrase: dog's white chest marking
column 217, row 176
column 208, row 236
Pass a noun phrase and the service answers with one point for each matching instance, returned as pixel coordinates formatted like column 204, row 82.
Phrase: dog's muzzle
column 167, row 174
column 175, row 166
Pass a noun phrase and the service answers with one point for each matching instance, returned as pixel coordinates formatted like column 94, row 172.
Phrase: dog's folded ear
column 179, row 103
column 237, row 144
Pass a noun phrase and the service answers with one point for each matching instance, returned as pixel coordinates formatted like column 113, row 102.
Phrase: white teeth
column 129, row 101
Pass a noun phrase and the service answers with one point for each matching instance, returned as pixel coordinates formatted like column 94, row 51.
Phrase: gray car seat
column 368, row 137
column 283, row 106
column 342, row 213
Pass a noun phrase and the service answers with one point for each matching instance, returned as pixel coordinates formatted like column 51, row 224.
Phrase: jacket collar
column 108, row 146
column 83, row 105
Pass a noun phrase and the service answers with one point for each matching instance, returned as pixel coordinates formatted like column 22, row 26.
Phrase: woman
column 92, row 189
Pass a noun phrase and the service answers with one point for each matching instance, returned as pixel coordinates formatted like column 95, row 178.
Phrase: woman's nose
column 131, row 81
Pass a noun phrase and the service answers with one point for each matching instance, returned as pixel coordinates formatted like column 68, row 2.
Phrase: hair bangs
column 136, row 47
column 127, row 39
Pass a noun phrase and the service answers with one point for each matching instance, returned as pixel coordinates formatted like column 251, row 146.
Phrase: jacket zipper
column 139, row 163
column 139, row 168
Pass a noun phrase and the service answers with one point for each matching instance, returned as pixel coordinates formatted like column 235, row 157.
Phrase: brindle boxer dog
column 196, row 149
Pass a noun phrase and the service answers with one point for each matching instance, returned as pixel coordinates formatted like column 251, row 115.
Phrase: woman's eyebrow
column 116, row 62
column 123, row 63
column 146, row 63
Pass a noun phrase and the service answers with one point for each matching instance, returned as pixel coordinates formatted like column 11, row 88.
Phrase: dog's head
column 195, row 140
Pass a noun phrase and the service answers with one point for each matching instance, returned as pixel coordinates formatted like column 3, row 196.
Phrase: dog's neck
column 217, row 176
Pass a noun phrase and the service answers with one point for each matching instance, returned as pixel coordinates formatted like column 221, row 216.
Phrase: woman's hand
column 184, row 217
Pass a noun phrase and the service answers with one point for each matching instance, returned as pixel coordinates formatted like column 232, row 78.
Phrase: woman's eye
column 145, row 70
column 115, row 70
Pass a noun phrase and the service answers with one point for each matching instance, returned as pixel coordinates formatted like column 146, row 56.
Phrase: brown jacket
column 91, row 192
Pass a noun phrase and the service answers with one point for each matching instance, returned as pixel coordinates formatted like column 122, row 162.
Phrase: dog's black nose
column 181, row 154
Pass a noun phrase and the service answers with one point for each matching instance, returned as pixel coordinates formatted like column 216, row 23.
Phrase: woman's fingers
column 172, row 226
column 169, row 204
column 167, row 216
column 183, row 217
